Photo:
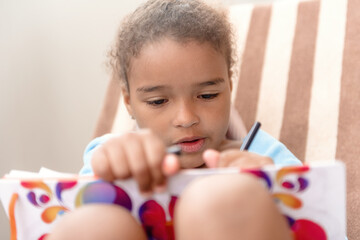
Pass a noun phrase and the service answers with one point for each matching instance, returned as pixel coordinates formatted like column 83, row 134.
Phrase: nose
column 185, row 115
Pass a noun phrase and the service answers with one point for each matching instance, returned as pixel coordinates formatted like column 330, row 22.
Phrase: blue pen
column 250, row 137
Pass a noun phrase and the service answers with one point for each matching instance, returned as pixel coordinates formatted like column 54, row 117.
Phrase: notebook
column 311, row 197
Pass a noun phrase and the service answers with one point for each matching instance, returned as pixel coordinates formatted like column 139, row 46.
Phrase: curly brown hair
column 180, row 20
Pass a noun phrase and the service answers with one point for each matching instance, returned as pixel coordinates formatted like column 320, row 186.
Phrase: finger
column 252, row 161
column 243, row 159
column 211, row 158
column 229, row 157
column 171, row 165
column 136, row 157
column 100, row 164
column 115, row 152
column 155, row 152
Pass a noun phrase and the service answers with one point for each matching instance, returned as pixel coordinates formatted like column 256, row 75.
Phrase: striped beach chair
column 299, row 75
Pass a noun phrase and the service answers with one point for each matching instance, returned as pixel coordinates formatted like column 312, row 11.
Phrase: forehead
column 168, row 60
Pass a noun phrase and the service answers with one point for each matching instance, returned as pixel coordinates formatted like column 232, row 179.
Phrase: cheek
column 151, row 119
column 217, row 118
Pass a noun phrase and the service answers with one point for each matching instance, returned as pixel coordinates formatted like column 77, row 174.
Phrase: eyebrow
column 148, row 89
column 211, row 82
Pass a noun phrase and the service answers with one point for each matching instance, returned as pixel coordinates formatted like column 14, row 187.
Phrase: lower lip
column 191, row 147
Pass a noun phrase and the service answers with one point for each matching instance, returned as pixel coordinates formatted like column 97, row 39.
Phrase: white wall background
column 53, row 80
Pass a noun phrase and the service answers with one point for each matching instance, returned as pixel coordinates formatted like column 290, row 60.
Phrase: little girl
column 174, row 59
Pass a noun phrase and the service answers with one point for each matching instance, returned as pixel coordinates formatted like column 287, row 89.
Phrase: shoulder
column 87, row 169
column 266, row 145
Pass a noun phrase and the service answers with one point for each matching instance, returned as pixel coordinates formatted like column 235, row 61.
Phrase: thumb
column 170, row 165
column 211, row 158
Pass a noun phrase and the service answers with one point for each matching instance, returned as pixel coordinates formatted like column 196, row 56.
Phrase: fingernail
column 211, row 157
column 170, row 165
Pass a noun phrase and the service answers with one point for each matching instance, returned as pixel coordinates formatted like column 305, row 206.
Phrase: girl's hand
column 140, row 155
column 234, row 158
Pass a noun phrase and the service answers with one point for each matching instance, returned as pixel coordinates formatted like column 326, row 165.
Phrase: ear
column 127, row 101
column 230, row 77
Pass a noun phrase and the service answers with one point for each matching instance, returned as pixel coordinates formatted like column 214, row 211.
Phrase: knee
column 216, row 194
column 235, row 206
column 97, row 221
column 222, row 202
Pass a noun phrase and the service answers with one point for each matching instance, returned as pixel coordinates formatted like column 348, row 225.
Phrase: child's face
column 182, row 92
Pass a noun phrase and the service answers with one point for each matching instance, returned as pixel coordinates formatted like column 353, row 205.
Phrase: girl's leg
column 98, row 221
column 228, row 207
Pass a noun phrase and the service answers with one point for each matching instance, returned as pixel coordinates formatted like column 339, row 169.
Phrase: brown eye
column 157, row 102
column 208, row 96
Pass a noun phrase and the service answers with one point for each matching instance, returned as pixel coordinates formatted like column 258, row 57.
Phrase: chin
column 191, row 161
